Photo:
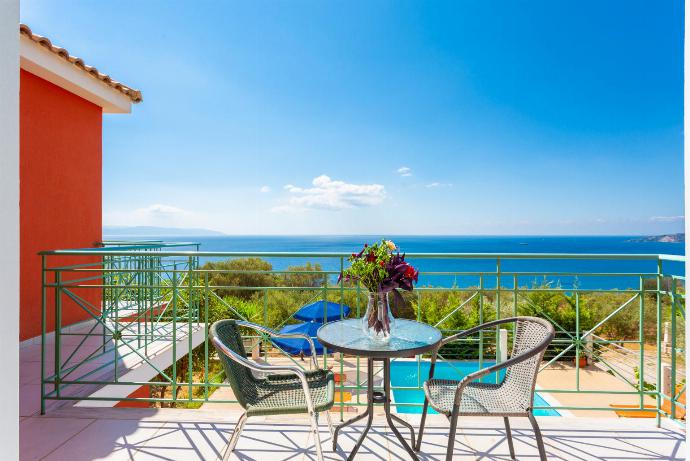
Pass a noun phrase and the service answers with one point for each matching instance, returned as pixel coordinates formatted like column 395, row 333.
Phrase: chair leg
column 537, row 434
column 509, row 436
column 418, row 447
column 235, row 437
column 451, row 436
column 329, row 421
column 317, row 437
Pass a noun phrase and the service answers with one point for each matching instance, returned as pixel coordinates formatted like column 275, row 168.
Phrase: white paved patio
column 76, row 434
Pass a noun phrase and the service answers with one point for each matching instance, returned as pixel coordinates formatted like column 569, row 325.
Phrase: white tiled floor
column 74, row 434
column 167, row 434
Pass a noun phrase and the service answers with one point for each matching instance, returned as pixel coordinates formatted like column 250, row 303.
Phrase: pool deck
column 563, row 376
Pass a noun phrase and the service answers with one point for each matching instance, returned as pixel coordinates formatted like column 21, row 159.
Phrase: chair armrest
column 301, row 374
column 276, row 334
column 476, row 329
column 463, row 334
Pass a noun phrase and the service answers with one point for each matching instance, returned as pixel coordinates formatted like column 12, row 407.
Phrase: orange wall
column 60, row 188
column 144, row 392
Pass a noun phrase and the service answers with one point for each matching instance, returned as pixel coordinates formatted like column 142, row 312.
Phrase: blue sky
column 459, row 117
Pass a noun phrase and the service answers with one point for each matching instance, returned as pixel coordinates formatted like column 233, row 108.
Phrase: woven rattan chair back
column 240, row 378
column 520, row 378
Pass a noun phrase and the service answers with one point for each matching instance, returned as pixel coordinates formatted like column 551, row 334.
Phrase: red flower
column 410, row 272
column 381, row 263
column 371, row 257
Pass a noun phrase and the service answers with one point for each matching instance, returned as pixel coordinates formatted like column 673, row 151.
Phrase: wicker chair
column 513, row 396
column 281, row 390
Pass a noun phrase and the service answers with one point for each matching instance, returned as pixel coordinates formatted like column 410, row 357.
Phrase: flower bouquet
column 382, row 270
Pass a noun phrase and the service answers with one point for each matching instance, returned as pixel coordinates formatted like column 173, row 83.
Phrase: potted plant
column 383, row 271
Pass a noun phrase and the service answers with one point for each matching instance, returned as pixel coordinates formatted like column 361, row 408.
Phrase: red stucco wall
column 60, row 189
column 144, row 392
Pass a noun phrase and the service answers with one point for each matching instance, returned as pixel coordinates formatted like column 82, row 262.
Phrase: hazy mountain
column 667, row 238
column 154, row 231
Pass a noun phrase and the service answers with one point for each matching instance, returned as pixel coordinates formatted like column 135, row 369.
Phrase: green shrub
column 257, row 275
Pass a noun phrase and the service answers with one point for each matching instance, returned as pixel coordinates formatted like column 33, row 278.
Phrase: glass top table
column 407, row 338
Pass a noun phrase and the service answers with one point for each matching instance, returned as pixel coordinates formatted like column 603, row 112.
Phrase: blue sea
column 472, row 244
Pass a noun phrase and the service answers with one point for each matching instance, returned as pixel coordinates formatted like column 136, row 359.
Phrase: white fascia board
column 39, row 61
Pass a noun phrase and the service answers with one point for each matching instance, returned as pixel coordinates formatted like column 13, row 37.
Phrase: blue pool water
column 406, row 374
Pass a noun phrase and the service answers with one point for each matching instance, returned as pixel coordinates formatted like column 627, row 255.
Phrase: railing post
column 139, row 281
column 357, row 360
column 340, row 356
column 481, row 320
column 515, row 295
column 578, row 340
column 206, row 327
column 58, row 328
column 673, row 348
column 116, row 329
column 150, row 310
column 192, row 301
column 501, row 348
column 174, row 333
column 641, row 334
column 659, row 373
column 325, row 299
column 260, row 337
column 43, row 331
column 105, row 294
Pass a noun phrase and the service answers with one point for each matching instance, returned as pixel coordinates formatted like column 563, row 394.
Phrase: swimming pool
column 404, row 374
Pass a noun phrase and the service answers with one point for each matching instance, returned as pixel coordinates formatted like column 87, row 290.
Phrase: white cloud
column 159, row 209
column 265, row 189
column 327, row 194
column 667, row 218
column 405, row 171
column 438, row 184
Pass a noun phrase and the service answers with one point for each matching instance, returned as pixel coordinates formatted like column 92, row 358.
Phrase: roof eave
column 42, row 62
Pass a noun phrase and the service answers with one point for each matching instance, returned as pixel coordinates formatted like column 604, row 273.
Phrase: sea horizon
column 626, row 244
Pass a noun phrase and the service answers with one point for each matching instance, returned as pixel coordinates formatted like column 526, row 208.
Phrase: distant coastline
column 326, row 245
column 666, row 238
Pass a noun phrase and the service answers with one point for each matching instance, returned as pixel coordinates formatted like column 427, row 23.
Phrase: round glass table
column 408, row 338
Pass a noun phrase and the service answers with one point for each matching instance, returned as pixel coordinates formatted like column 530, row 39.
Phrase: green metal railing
column 143, row 297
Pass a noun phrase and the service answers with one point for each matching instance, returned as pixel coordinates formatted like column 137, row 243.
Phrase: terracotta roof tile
column 131, row 93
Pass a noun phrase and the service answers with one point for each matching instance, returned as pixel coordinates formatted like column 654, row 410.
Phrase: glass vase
column 378, row 321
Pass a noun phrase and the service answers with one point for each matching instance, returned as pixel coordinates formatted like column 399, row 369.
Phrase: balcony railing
column 624, row 313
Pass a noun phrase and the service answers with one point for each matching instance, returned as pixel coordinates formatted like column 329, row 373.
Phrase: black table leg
column 347, row 423
column 369, row 413
column 406, row 424
column 390, row 416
